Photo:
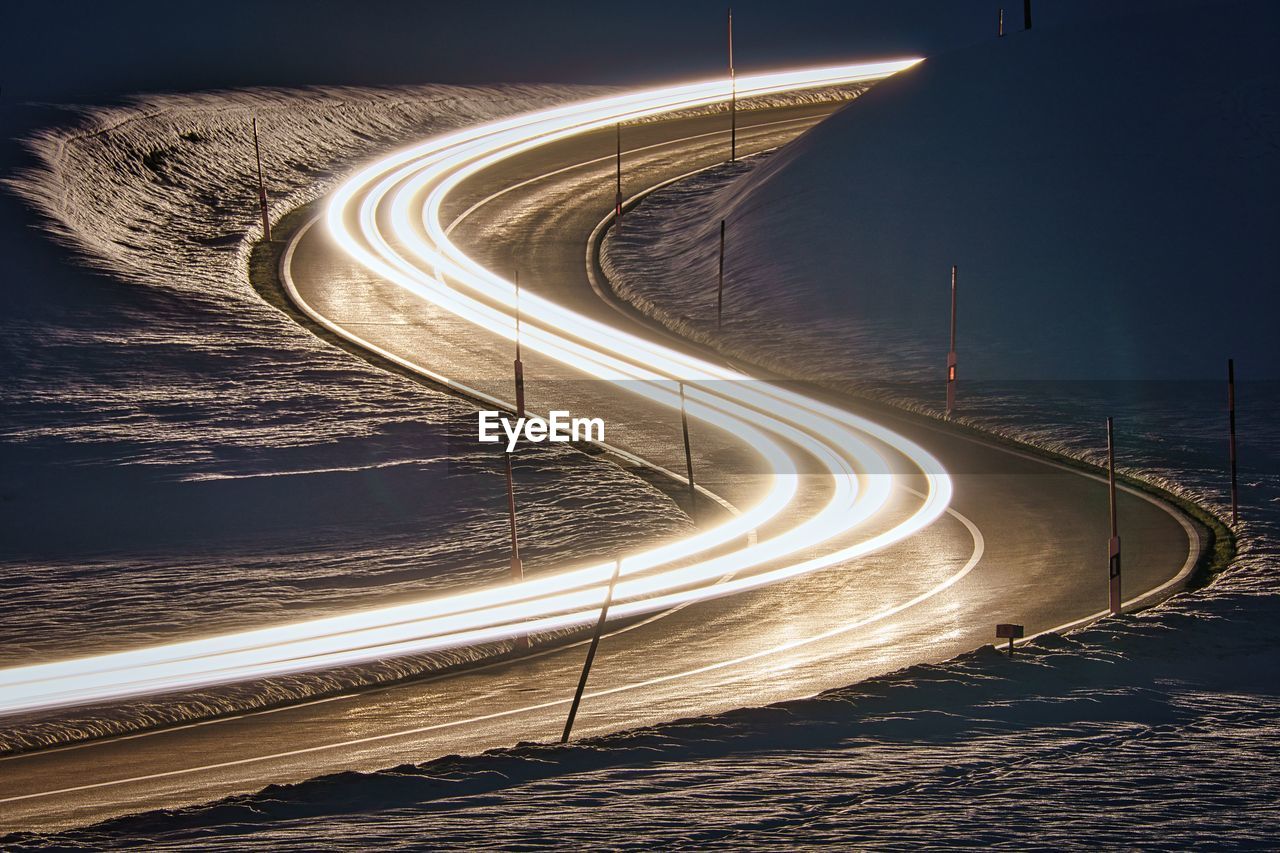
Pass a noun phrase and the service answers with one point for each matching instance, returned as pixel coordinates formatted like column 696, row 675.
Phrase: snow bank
column 1126, row 731
column 177, row 455
column 1152, row 730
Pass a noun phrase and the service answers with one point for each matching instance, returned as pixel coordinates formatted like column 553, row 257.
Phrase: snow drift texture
column 177, row 457
column 1109, row 197
column 1153, row 730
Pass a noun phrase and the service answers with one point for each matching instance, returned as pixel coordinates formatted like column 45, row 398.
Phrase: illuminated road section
column 406, row 190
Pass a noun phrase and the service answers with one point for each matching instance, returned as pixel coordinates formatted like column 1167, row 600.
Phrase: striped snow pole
column 617, row 204
column 688, row 454
column 1114, row 563
column 591, row 652
column 733, row 97
column 1231, row 422
column 519, row 365
column 720, row 282
column 262, row 188
column 517, row 567
column 951, row 354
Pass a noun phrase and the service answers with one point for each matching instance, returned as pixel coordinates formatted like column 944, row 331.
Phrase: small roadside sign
column 1009, row 631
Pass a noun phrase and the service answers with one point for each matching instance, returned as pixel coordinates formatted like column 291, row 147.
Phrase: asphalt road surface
column 1025, row 540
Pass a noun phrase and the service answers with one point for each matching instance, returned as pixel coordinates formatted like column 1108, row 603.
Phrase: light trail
column 408, row 189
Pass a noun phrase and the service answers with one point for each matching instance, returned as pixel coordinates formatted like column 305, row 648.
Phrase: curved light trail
column 406, row 190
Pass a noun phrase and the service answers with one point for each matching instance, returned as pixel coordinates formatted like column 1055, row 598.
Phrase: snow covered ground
column 1154, row 730
column 1108, row 195
column 176, row 456
column 1157, row 730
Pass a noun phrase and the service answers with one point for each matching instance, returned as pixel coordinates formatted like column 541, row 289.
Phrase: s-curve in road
column 836, row 543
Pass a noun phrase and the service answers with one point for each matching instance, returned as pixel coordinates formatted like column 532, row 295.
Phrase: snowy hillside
column 1109, row 195
column 262, row 475
column 177, row 456
column 1151, row 730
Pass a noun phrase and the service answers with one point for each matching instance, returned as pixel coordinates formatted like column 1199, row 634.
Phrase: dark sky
column 66, row 53
column 89, row 52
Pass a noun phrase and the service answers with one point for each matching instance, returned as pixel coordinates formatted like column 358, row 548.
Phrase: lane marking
column 610, row 158
column 296, row 297
column 1194, row 540
column 979, row 547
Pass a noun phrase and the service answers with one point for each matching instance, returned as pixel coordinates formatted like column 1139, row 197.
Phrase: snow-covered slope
column 178, row 456
column 1109, row 195
column 1154, row 730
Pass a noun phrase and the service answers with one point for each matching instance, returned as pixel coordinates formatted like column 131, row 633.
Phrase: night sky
column 58, row 55
column 93, row 52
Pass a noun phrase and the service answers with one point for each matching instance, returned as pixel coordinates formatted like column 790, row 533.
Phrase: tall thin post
column 1114, row 569
column 688, row 453
column 591, row 652
column 262, row 188
column 1231, row 420
column 617, row 204
column 733, row 97
column 1000, row 25
column 720, row 282
column 519, row 366
column 951, row 354
column 1026, row 14
column 517, row 567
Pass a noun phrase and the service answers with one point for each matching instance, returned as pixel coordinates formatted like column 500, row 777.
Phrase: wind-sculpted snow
column 1132, row 730
column 179, row 457
column 820, row 95
column 671, row 240
column 1102, row 193
column 1154, row 730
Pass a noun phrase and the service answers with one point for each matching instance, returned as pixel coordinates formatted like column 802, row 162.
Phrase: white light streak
column 407, row 189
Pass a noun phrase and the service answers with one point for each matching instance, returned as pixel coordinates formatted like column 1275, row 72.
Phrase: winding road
column 834, row 544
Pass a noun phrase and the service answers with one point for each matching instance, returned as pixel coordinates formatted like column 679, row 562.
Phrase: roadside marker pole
column 519, row 366
column 517, row 569
column 1026, row 14
column 591, row 652
column 617, row 204
column 1000, row 26
column 1231, row 418
column 688, row 454
column 951, row 354
column 733, row 97
column 1114, row 569
column 262, row 189
column 720, row 282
